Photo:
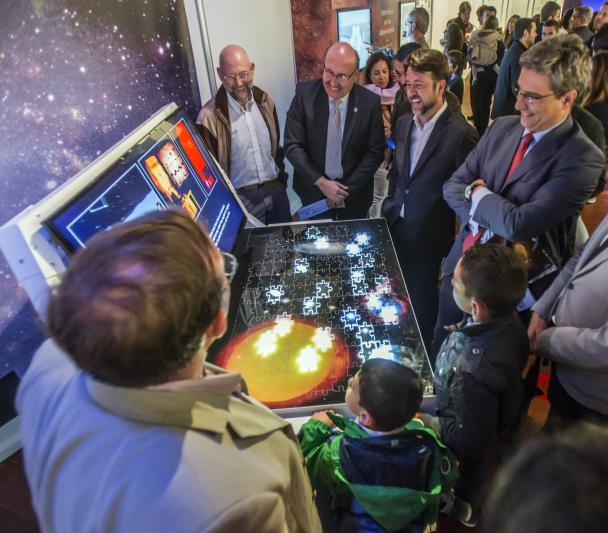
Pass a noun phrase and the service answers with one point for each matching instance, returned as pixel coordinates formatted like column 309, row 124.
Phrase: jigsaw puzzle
column 310, row 303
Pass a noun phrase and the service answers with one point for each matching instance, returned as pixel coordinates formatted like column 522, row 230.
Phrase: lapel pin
column 355, row 109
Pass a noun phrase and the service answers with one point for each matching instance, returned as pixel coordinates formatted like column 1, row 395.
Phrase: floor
column 16, row 512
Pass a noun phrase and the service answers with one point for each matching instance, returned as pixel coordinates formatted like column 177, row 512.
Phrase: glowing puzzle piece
column 350, row 318
column 322, row 339
column 389, row 314
column 312, row 232
column 308, row 360
column 374, row 301
column 358, row 284
column 310, row 306
column 352, row 250
column 274, row 294
column 384, row 351
column 301, row 266
column 366, row 335
column 367, row 260
column 321, row 243
column 266, row 344
column 283, row 326
column 383, row 284
column 362, row 239
column 356, row 275
column 323, row 289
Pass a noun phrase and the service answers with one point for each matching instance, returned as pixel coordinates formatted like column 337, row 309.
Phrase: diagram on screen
column 314, row 303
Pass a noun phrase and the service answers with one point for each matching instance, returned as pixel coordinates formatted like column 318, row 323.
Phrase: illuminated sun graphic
column 284, row 360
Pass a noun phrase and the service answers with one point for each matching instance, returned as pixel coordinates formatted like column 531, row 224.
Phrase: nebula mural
column 77, row 76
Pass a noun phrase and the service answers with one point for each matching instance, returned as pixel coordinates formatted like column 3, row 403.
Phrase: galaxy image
column 77, row 76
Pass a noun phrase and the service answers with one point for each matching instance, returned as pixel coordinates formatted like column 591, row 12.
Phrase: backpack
column 484, row 47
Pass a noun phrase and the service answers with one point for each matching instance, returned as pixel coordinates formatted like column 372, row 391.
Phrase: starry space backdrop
column 76, row 76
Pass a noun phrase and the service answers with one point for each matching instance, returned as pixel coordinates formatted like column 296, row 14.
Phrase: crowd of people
column 126, row 427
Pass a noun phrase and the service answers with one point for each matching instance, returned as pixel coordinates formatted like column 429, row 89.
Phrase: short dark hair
column 421, row 18
column 522, row 25
column 406, row 50
column 480, row 11
column 548, row 10
column 464, row 7
column 495, row 274
column 576, row 464
column 371, row 61
column 490, row 8
column 133, row 305
column 552, row 24
column 600, row 39
column 390, row 392
column 491, row 23
column 429, row 60
column 456, row 57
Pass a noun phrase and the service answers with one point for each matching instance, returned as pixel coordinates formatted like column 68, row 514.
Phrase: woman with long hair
column 510, row 29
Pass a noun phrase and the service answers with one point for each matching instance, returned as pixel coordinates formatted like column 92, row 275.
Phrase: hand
column 479, row 183
column 537, row 325
column 322, row 417
column 334, row 191
column 430, row 421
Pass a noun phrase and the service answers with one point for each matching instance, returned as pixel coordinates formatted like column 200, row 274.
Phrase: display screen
column 169, row 166
column 310, row 304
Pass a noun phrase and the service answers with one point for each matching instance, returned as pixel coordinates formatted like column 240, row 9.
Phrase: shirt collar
column 431, row 123
column 538, row 135
column 344, row 101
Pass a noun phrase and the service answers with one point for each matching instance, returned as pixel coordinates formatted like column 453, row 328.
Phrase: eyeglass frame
column 529, row 98
column 241, row 76
column 231, row 266
column 339, row 77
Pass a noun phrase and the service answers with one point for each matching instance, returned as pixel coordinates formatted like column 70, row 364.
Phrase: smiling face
column 380, row 74
column 424, row 93
column 545, row 112
column 236, row 72
column 340, row 61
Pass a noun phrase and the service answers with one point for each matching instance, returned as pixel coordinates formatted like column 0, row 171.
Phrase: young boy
column 383, row 470
column 478, row 369
column 456, row 63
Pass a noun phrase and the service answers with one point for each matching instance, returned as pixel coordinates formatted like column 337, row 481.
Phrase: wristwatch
column 468, row 192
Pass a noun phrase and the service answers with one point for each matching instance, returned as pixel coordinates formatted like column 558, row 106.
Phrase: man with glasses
column 581, row 17
column 124, row 425
column 530, row 175
column 241, row 129
column 504, row 98
column 334, row 138
column 416, row 26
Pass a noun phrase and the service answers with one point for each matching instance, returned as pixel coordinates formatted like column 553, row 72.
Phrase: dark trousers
column 448, row 313
column 421, row 278
column 267, row 202
column 565, row 410
column 482, row 96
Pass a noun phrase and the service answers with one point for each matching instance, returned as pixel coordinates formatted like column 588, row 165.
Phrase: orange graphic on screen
column 284, row 361
column 173, row 163
column 160, row 178
column 194, row 155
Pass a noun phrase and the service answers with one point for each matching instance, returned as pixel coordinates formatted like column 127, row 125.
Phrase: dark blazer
column 362, row 144
column 429, row 221
column 584, row 33
column 504, row 99
column 594, row 129
column 543, row 196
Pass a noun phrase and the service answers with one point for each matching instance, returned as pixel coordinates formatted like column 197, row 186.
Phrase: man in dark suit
column 432, row 141
column 504, row 97
column 334, row 137
column 581, row 17
column 529, row 176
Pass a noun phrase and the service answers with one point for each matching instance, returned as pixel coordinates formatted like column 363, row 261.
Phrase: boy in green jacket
column 383, row 471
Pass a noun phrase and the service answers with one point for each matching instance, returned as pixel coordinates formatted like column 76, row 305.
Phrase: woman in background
column 510, row 29
column 378, row 80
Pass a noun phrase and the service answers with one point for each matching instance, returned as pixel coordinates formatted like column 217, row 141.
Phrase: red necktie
column 471, row 239
column 521, row 152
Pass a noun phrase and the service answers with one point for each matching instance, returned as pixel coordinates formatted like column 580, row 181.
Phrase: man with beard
column 432, row 141
column 241, row 129
column 334, row 138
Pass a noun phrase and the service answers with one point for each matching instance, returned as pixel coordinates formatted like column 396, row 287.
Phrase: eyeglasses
column 242, row 76
column 529, row 98
column 231, row 265
column 338, row 77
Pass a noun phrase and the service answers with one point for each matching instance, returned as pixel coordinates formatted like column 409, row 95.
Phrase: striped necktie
column 333, row 150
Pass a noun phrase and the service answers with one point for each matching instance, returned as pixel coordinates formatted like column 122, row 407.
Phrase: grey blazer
column 578, row 301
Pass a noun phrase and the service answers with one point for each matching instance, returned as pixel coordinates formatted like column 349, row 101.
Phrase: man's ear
column 217, row 328
column 479, row 309
column 219, row 72
column 252, row 68
column 570, row 98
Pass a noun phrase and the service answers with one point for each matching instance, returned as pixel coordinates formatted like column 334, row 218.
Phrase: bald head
column 236, row 72
column 341, row 64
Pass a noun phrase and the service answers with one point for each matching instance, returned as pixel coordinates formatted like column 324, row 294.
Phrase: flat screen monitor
column 169, row 166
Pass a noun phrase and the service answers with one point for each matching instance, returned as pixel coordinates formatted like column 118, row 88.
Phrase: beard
column 242, row 94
